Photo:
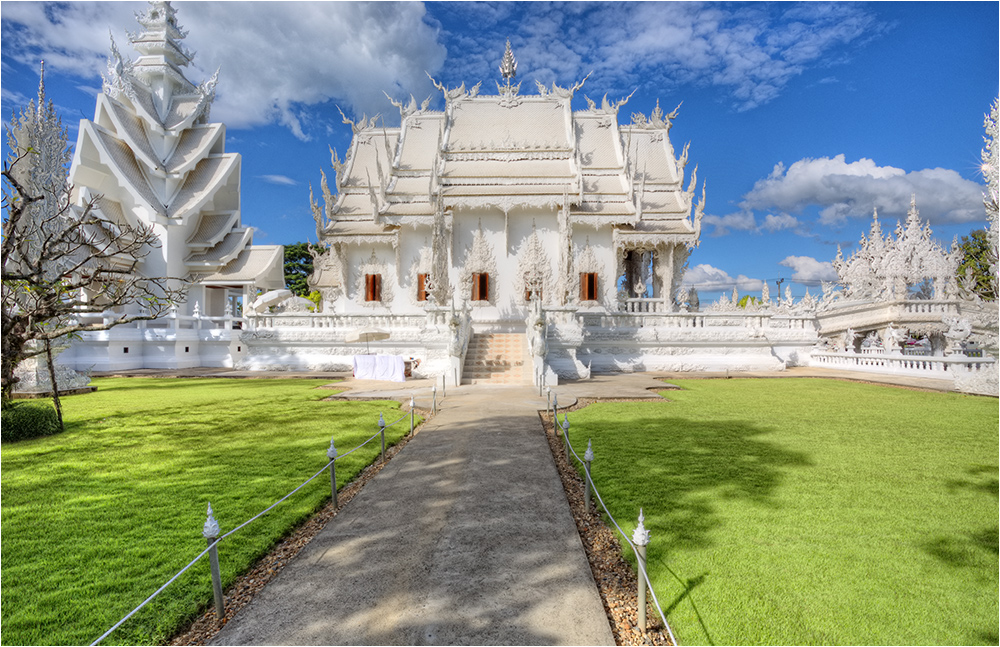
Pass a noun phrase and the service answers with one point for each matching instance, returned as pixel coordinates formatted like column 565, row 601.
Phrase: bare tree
column 61, row 261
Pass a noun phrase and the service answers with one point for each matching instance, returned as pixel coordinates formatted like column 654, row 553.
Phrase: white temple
column 153, row 157
column 505, row 238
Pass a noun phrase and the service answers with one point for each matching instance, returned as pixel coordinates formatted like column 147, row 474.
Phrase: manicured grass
column 800, row 511
column 97, row 518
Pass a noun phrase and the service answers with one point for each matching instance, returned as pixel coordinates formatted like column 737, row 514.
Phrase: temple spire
column 508, row 65
column 161, row 56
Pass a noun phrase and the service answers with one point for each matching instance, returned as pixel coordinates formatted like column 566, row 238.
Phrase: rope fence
column 211, row 527
column 640, row 537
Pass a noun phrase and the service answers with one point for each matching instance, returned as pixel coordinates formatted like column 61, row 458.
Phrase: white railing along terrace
column 882, row 362
column 168, row 322
column 695, row 320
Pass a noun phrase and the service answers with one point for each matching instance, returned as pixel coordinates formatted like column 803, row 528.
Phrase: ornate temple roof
column 510, row 150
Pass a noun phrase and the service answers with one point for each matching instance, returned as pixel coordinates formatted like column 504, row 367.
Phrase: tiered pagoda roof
column 154, row 157
column 510, row 151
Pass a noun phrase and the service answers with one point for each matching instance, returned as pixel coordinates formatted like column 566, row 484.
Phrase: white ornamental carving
column 586, row 263
column 885, row 268
column 534, row 271
column 479, row 260
column 374, row 266
column 423, row 265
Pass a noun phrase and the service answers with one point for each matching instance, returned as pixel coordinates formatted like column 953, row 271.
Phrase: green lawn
column 97, row 518
column 799, row 511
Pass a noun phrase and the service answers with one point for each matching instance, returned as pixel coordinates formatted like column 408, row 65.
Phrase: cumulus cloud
column 779, row 222
column 808, row 270
column 854, row 189
column 278, row 59
column 707, row 278
column 737, row 221
column 746, row 220
column 281, row 60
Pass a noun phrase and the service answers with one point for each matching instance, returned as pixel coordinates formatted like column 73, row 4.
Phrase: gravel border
column 615, row 578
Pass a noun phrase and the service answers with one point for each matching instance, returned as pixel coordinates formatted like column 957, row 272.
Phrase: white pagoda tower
column 152, row 157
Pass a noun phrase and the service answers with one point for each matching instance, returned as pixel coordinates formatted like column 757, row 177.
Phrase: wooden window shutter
column 373, row 287
column 588, row 286
column 480, row 286
column 421, row 287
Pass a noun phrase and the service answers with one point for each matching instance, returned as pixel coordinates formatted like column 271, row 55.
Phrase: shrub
column 27, row 419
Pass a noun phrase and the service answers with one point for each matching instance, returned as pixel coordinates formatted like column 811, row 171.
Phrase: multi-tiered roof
column 152, row 155
column 510, row 151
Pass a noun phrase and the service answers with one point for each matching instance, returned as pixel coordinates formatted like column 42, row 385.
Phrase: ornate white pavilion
column 152, row 156
column 506, row 238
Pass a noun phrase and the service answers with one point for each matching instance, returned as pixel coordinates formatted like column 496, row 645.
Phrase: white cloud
column 853, row 189
column 808, row 270
column 752, row 51
column 277, row 59
column 737, row 221
column 782, row 221
column 278, row 179
column 707, row 278
column 281, row 59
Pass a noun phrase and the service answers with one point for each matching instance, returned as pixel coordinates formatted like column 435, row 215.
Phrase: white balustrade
column 881, row 362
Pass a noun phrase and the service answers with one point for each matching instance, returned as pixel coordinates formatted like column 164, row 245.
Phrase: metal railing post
column 641, row 539
column 332, row 455
column 565, row 428
column 411, row 415
column 210, row 531
column 588, row 457
column 555, row 409
column 434, row 399
column 381, row 432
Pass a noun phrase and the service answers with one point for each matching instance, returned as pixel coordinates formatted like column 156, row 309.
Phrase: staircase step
column 496, row 358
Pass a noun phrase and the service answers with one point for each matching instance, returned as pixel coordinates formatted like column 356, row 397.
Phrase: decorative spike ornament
column 508, row 65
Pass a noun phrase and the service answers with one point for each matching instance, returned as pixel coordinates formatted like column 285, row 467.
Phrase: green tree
column 298, row 268
column 976, row 262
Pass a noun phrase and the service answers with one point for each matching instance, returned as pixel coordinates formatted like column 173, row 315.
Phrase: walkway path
column 464, row 538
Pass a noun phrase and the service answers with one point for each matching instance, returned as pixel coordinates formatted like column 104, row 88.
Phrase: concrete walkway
column 464, row 538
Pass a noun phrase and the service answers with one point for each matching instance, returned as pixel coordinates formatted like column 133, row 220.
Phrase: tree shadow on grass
column 680, row 470
column 687, row 466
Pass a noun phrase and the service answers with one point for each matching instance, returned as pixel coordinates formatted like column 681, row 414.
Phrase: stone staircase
column 497, row 358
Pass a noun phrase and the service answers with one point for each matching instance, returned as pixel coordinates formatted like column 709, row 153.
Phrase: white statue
column 958, row 331
column 535, row 324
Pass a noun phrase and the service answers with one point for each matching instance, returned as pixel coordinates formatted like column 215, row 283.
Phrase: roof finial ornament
column 508, row 65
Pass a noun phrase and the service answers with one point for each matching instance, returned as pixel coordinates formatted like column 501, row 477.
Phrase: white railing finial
column 641, row 536
column 211, row 528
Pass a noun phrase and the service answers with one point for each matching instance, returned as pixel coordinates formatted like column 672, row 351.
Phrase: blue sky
column 801, row 117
